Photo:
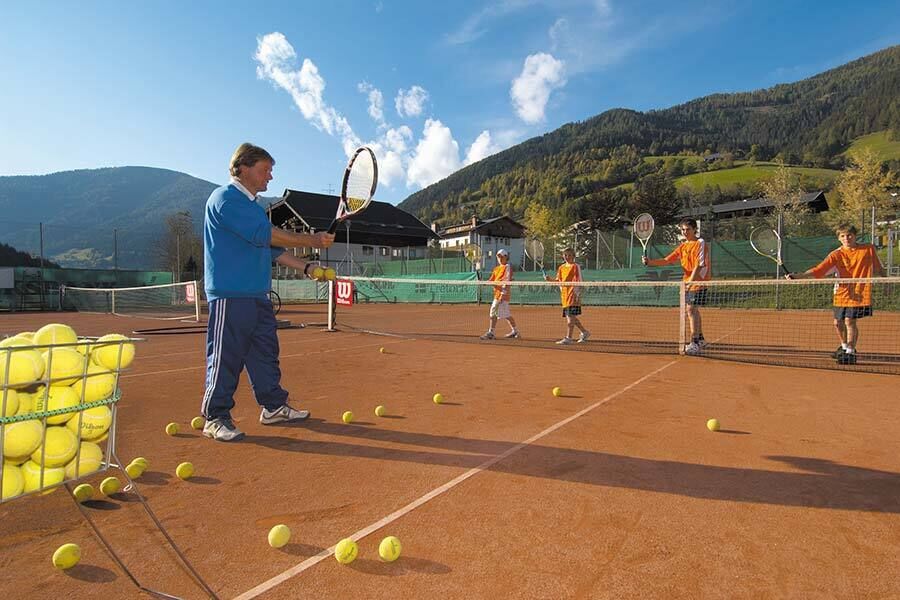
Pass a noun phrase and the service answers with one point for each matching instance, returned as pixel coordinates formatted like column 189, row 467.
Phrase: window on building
column 368, row 251
column 384, row 251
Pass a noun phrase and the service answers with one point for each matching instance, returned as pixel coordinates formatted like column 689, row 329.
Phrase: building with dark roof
column 745, row 208
column 491, row 234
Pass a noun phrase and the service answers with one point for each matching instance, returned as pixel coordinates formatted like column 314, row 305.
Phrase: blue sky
column 432, row 86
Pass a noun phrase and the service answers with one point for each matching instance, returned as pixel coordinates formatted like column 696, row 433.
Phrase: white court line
column 314, row 560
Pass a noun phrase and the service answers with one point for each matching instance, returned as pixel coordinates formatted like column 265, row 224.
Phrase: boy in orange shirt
column 500, row 305
column 571, row 297
column 852, row 301
column 693, row 254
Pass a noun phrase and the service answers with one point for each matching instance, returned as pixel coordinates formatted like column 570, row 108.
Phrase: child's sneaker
column 584, row 337
column 488, row 336
column 512, row 335
column 566, row 341
column 692, row 349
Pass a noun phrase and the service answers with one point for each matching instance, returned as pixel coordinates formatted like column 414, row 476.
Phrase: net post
column 331, row 300
column 112, row 299
column 196, row 301
column 682, row 310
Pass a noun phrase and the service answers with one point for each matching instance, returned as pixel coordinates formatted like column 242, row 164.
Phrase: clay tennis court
column 614, row 490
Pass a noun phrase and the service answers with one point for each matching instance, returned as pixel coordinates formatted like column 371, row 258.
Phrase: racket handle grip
column 333, row 227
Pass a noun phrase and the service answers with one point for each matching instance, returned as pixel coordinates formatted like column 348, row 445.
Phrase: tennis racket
column 358, row 186
column 473, row 254
column 643, row 229
column 534, row 249
column 766, row 242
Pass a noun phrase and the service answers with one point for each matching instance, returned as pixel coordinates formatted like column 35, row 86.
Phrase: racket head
column 358, row 185
column 643, row 227
column 473, row 253
column 534, row 250
column 766, row 242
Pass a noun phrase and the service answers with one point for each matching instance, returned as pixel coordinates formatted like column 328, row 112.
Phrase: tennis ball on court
column 98, row 385
column 318, row 273
column 83, row 492
column 13, row 482
column 185, row 470
column 64, row 365
column 107, row 355
column 94, row 422
column 330, row 274
column 59, row 447
column 66, row 556
column 134, row 470
column 382, row 350
column 31, row 473
column 54, row 333
column 380, row 411
column 171, row 428
column 345, row 551
column 198, row 423
column 9, row 402
column 389, row 549
column 557, row 392
column 712, row 424
column 22, row 438
column 279, row 536
column 347, row 417
column 140, row 460
column 56, row 398
column 438, row 398
column 87, row 461
column 25, row 366
column 110, row 486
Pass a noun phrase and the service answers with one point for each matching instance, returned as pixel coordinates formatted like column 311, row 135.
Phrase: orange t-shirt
column 501, row 273
column 692, row 254
column 569, row 294
column 860, row 261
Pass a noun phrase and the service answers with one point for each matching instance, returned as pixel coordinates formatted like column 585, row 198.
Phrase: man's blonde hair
column 247, row 155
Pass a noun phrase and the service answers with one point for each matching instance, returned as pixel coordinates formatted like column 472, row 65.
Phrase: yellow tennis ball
column 438, row 398
column 185, row 470
column 140, row 460
column 64, row 365
column 54, row 333
column 347, row 417
column 87, row 461
column 107, row 355
column 557, row 392
column 712, row 424
column 345, row 551
column 94, row 422
column 279, row 536
column 13, row 482
column 171, row 428
column 58, row 448
column 15, row 340
column 389, row 549
column 31, row 473
column 25, row 366
column 22, row 438
column 198, row 423
column 83, row 492
column 330, row 274
column 99, row 384
column 9, row 402
column 26, row 403
column 109, row 486
column 318, row 273
column 380, row 411
column 134, row 470
column 381, row 350
column 66, row 556
column 56, row 398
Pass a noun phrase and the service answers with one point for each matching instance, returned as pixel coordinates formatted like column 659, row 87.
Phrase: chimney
column 434, row 226
column 474, row 221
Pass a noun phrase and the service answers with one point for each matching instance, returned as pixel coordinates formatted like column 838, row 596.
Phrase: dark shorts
column 696, row 298
column 571, row 311
column 852, row 312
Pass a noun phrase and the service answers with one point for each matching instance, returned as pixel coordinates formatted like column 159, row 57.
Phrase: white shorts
column 500, row 309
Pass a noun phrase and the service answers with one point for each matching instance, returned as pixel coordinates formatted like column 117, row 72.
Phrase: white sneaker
column 584, row 337
column 566, row 341
column 693, row 349
column 488, row 336
column 512, row 335
column 283, row 414
column 222, row 430
column 702, row 343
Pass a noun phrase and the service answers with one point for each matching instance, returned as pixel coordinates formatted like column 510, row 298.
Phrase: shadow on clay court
column 733, row 432
column 300, row 549
column 101, row 505
column 154, row 478
column 91, row 574
column 201, row 480
column 825, row 485
column 409, row 564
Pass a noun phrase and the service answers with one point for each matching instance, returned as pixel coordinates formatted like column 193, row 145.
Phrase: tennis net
column 778, row 322
column 174, row 301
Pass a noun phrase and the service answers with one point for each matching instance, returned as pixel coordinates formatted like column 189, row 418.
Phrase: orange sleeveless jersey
column 861, row 261
column 692, row 254
column 501, row 273
column 569, row 295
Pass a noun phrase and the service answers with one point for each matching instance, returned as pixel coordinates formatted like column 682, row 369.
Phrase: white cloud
column 530, row 91
column 376, row 101
column 482, row 147
column 436, row 155
column 411, row 102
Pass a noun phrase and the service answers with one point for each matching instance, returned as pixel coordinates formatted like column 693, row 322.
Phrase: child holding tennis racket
column 500, row 305
column 570, row 295
column 693, row 253
column 852, row 301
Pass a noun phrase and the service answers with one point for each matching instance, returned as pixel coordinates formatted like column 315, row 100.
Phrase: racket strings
column 360, row 182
